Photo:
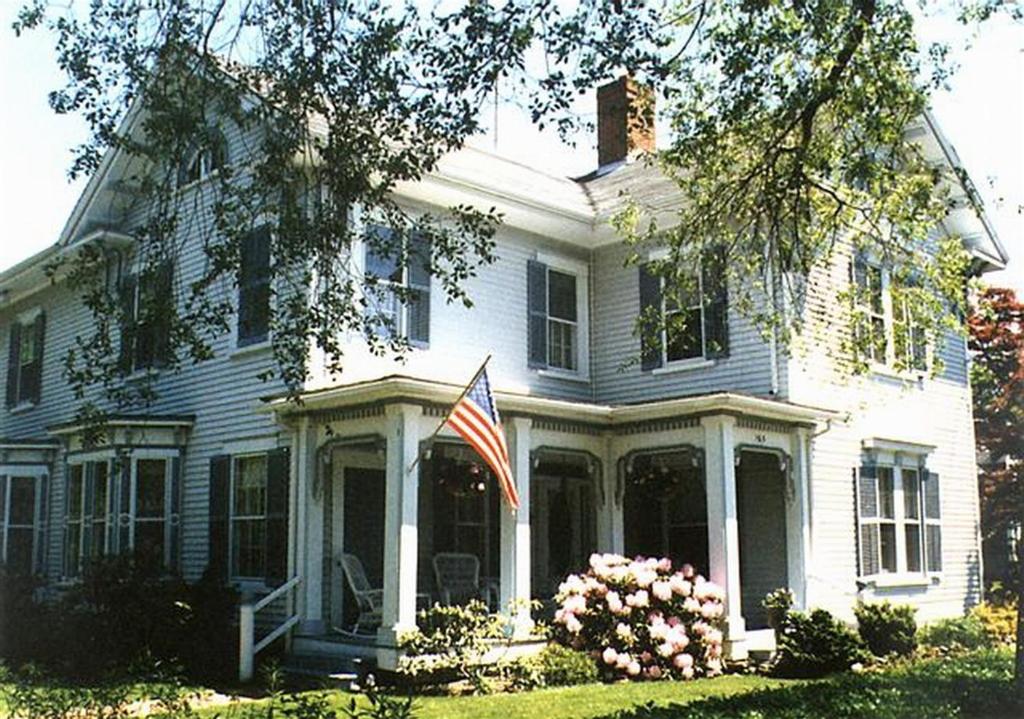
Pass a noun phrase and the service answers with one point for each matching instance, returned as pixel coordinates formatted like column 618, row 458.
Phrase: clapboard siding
column 926, row 410
column 616, row 348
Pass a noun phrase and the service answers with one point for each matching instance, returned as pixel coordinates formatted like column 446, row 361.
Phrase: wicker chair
column 370, row 601
column 458, row 579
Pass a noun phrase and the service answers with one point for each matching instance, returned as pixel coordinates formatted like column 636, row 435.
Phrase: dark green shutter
column 651, row 319
column 175, row 516
column 160, row 322
column 89, row 477
column 36, row 388
column 124, row 519
column 128, row 324
column 278, row 474
column 42, row 522
column 418, row 273
column 4, row 510
column 537, row 309
column 933, row 527
column 13, row 362
column 254, row 287
column 866, row 490
column 220, row 497
column 716, row 303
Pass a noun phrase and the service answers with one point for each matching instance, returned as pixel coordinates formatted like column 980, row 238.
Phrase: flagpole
column 447, row 414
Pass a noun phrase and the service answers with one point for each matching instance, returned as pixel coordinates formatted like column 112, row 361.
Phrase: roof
column 398, row 388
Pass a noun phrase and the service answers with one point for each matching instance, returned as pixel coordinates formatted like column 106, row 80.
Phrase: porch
column 717, row 481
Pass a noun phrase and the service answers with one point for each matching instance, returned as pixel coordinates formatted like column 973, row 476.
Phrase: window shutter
column 33, row 382
column 650, row 318
column 128, row 322
column 124, row 499
column 716, row 303
column 220, row 497
column 866, row 488
column 933, row 523
column 537, row 307
column 4, row 510
column 13, row 356
column 175, row 515
column 418, row 273
column 278, row 474
column 160, row 325
column 254, row 287
column 41, row 523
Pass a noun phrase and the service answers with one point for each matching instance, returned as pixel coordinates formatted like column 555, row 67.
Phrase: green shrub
column 956, row 633
column 887, row 628
column 778, row 604
column 816, row 644
column 559, row 666
column 999, row 620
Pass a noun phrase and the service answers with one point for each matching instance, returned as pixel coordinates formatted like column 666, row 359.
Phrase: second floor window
column 207, row 155
column 146, row 308
column 885, row 329
column 398, row 297
column 557, row 331
column 254, row 288
column 25, row 360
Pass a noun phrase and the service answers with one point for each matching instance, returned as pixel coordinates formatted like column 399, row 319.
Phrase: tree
column 997, row 378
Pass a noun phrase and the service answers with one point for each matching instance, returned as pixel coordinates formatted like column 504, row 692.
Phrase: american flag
column 475, row 418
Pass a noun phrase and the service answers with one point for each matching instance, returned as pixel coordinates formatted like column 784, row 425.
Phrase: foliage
column 887, row 628
column 560, row 666
column 450, row 642
column 789, row 131
column 381, row 706
column 639, row 619
column 777, row 605
column 999, row 620
column 955, row 633
column 997, row 379
column 816, row 644
column 127, row 617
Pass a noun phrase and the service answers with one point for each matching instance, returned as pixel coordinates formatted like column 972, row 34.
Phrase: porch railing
column 248, row 647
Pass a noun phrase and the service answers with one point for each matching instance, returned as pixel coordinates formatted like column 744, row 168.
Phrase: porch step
column 334, row 671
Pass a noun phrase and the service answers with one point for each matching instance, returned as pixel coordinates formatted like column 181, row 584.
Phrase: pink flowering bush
column 640, row 619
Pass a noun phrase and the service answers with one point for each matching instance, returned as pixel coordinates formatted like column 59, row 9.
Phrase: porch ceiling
column 399, row 388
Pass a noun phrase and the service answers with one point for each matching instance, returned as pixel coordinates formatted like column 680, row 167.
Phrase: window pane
column 888, row 541
column 72, row 545
column 98, row 546
column 913, row 541
column 23, row 501
column 684, row 335
column 561, row 345
column 885, row 493
column 248, row 548
column 19, row 550
column 99, row 493
column 149, row 499
column 869, row 549
column 149, row 542
column 74, row 498
column 878, row 341
column 27, row 345
column 933, row 532
column 562, row 296
column 874, row 278
column 911, row 494
column 250, row 498
column 381, row 266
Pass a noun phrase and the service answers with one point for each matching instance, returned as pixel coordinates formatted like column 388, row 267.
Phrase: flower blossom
column 610, row 656
column 662, row 591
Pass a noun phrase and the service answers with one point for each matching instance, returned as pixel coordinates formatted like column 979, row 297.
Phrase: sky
column 982, row 114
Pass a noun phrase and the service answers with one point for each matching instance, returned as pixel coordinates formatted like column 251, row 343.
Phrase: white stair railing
column 248, row 647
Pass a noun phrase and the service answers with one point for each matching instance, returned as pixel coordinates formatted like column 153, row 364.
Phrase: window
column 147, row 303
column 119, row 506
column 899, row 524
column 398, row 296
column 248, row 532
column 886, row 331
column 21, row 522
column 207, row 155
column 25, row 360
column 249, row 517
column 557, row 315
column 254, row 288
column 688, row 323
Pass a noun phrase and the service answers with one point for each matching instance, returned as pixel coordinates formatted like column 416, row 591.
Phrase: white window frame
column 888, row 317
column 40, row 474
column 114, row 514
column 684, row 361
column 581, row 272
column 255, row 582
column 26, row 320
column 897, row 463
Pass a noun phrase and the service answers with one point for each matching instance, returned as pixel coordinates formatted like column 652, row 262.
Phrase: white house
column 762, row 468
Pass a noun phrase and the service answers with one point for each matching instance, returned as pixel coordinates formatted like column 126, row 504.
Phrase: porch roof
column 400, row 388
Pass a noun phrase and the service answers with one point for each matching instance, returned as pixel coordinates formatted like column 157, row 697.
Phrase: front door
column 761, row 510
column 562, row 530
column 363, row 531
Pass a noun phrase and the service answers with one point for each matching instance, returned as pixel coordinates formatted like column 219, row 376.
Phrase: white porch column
column 313, row 501
column 798, row 524
column 611, row 531
column 723, row 527
column 401, row 500
column 515, row 529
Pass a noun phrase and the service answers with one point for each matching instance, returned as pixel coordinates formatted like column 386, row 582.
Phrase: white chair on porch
column 458, row 579
column 370, row 601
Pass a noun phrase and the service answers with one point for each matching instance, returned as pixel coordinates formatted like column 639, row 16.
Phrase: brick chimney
column 625, row 120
